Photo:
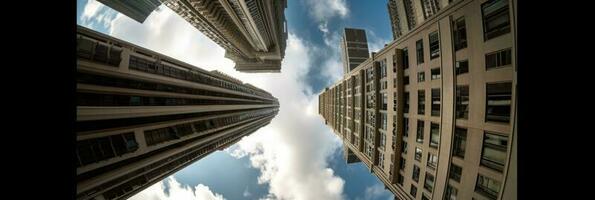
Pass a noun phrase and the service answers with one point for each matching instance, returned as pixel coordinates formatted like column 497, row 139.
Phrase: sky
column 296, row 156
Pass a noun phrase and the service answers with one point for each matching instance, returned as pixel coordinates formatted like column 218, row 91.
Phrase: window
column 404, row 147
column 405, row 54
column 432, row 160
column 384, row 102
column 402, row 164
column 462, row 102
column 419, row 137
column 424, row 197
column 421, row 76
column 429, row 182
column 413, row 191
column 421, row 102
column 419, row 45
column 487, row 186
column 430, row 7
column 382, row 64
column 451, row 193
column 405, row 127
column 496, row 21
column 494, row 151
column 418, row 154
column 410, row 13
column 400, row 179
column 459, row 34
column 435, row 102
column 380, row 159
column 405, row 80
column 435, row 73
column 434, row 135
column 461, row 67
column 406, row 105
column 459, row 143
column 498, row 58
column 434, row 45
column 498, row 101
column 415, row 176
column 97, row 149
column 455, row 172
column 382, row 140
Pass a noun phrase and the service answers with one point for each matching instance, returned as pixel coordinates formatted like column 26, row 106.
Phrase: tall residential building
column 138, row 10
column 142, row 116
column 253, row 32
column 354, row 48
column 432, row 114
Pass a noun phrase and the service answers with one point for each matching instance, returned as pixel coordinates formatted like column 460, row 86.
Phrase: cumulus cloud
column 376, row 191
column 291, row 153
column 323, row 10
column 176, row 192
column 95, row 14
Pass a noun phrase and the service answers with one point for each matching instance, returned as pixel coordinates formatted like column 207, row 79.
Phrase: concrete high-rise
column 433, row 113
column 253, row 32
column 138, row 10
column 354, row 48
column 142, row 116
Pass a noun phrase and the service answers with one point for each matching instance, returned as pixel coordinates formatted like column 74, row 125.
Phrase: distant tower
column 354, row 46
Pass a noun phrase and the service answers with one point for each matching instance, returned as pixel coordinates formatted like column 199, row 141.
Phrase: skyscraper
column 253, row 32
column 442, row 123
column 354, row 48
column 138, row 10
column 142, row 116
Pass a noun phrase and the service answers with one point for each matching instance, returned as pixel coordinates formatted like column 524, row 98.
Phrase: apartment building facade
column 354, row 48
column 432, row 114
column 142, row 116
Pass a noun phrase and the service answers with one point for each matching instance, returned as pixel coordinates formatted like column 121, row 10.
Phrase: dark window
column 402, row 164
column 382, row 64
column 494, row 151
column 424, row 197
column 435, row 102
column 496, row 20
column 462, row 102
column 434, row 45
column 400, row 179
column 415, row 175
column 435, row 73
column 404, row 147
column 420, row 132
column 462, row 67
column 430, row 7
column 405, row 127
column 384, row 102
column 413, row 191
column 460, row 34
column 406, row 105
column 429, row 182
column 432, row 160
column 451, row 193
column 421, row 102
column 405, row 58
column 460, row 141
column 434, row 135
column 418, row 154
column 498, row 59
column 405, row 80
column 487, row 186
column 419, row 47
column 421, row 76
column 498, row 99
column 97, row 149
column 455, row 172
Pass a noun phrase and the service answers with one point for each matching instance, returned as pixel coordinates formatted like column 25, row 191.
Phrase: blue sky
column 296, row 156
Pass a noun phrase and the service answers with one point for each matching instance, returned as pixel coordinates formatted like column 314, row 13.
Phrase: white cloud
column 375, row 43
column 95, row 13
column 323, row 10
column 176, row 192
column 291, row 153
